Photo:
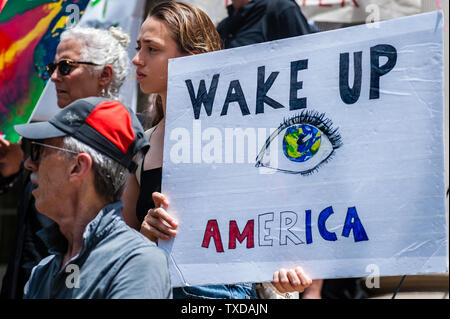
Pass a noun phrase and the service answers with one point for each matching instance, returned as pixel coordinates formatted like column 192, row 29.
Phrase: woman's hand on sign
column 11, row 156
column 291, row 280
column 158, row 224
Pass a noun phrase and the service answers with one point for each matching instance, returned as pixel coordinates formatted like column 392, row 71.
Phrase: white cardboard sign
column 324, row 151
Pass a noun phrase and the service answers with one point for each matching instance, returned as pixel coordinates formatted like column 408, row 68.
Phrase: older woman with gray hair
column 88, row 62
column 91, row 62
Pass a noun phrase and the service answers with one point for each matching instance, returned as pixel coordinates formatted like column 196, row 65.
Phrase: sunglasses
column 65, row 66
column 34, row 150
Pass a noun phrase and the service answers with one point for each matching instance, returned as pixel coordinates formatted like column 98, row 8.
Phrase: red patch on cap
column 112, row 120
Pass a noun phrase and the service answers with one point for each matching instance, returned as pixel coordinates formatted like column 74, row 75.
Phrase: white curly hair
column 104, row 47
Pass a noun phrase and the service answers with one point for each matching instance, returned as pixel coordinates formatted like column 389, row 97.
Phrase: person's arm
column 285, row 20
column 11, row 165
column 130, row 198
column 11, row 157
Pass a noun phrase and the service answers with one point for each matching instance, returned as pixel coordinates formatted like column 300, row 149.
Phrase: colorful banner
column 2, row 4
column 29, row 35
column 324, row 151
column 103, row 14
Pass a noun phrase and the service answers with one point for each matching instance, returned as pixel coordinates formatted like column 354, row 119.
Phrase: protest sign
column 324, row 151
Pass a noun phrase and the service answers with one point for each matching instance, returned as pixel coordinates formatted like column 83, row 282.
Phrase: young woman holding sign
column 174, row 30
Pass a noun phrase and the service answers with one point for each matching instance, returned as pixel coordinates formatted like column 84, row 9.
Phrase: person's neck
column 77, row 216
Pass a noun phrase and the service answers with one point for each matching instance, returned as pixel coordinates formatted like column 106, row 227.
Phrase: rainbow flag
column 29, row 35
column 2, row 4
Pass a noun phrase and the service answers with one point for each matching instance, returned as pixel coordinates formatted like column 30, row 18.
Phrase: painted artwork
column 2, row 4
column 308, row 140
column 309, row 151
column 29, row 35
column 102, row 14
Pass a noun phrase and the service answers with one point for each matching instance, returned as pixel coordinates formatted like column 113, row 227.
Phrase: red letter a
column 212, row 230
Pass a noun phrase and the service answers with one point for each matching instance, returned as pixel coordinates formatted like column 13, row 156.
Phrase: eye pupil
column 301, row 142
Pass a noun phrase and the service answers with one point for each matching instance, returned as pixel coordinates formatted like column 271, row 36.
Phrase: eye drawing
column 308, row 141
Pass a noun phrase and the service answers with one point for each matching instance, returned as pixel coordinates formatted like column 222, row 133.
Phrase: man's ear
column 81, row 167
column 106, row 76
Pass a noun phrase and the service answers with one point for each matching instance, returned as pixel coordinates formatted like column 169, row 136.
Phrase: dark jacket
column 261, row 21
column 28, row 249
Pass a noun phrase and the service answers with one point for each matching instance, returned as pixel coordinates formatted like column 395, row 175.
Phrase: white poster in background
column 337, row 11
column 324, row 151
column 216, row 9
column 358, row 11
column 103, row 14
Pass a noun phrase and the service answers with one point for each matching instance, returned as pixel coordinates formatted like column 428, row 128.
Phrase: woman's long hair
column 191, row 29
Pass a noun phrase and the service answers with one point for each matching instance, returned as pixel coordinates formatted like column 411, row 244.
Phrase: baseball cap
column 105, row 125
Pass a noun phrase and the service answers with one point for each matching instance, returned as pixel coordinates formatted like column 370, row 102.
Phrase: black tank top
column 150, row 182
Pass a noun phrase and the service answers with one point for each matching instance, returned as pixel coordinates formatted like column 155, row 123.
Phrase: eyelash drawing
column 308, row 143
column 318, row 120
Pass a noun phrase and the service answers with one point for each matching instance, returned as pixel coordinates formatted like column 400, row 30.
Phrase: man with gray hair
column 80, row 161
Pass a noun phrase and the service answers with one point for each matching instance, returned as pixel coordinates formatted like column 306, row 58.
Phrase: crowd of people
column 92, row 202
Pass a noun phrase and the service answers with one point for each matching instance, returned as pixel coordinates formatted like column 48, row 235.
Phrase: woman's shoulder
column 149, row 132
